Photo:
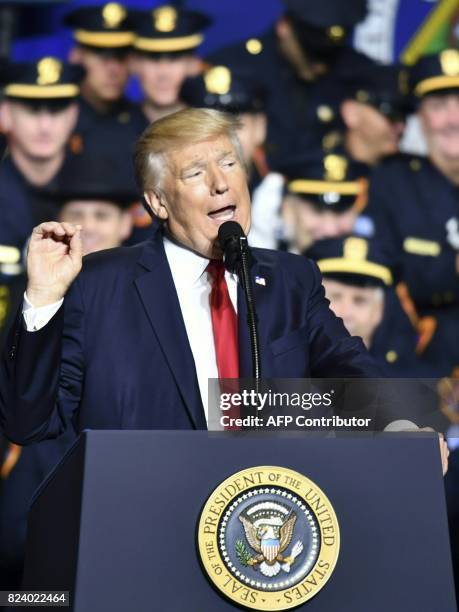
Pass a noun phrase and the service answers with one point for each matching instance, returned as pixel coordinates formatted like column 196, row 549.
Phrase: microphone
column 232, row 241
column 237, row 257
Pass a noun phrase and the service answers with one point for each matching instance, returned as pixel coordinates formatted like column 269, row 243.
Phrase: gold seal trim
column 269, row 478
column 104, row 39
column 319, row 187
column 21, row 90
column 353, row 266
column 179, row 43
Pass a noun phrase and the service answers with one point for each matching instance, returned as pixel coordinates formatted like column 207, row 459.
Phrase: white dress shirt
column 193, row 287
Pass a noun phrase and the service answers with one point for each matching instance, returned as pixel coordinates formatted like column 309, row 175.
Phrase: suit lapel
column 159, row 297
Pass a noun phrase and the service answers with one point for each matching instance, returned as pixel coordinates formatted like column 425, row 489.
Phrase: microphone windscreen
column 229, row 231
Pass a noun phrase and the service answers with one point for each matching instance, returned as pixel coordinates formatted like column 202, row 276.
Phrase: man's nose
column 89, row 224
column 346, row 311
column 44, row 120
column 218, row 181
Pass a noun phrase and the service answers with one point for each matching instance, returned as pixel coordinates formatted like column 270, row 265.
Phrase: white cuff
column 36, row 318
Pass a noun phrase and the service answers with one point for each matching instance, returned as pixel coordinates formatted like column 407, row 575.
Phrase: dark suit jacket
column 117, row 355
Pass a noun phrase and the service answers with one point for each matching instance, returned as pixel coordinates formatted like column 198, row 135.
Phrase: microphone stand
column 252, row 319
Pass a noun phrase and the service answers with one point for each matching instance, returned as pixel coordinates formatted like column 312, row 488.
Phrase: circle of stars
column 310, row 560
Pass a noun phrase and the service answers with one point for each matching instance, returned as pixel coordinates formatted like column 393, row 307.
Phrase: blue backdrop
column 233, row 20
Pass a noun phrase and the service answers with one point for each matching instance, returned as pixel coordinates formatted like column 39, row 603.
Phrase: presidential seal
column 268, row 538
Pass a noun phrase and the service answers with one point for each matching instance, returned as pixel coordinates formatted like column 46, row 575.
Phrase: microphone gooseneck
column 235, row 247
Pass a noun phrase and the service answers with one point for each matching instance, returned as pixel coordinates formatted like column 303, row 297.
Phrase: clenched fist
column 54, row 259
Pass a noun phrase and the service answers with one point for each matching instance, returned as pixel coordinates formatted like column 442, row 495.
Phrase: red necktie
column 224, row 323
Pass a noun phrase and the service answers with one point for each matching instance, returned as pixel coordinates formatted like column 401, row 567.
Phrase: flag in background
column 406, row 29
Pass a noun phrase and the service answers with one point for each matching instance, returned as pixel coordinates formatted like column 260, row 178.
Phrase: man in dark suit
column 137, row 338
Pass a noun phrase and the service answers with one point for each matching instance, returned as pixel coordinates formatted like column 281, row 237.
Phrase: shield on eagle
column 270, row 549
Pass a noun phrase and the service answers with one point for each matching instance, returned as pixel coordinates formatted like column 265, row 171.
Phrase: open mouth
column 226, row 213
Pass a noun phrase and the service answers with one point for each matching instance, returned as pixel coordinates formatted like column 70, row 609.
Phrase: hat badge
column 113, row 14
column 403, row 82
column 218, row 80
column 449, row 60
column 254, row 46
column 324, row 113
column 355, row 249
column 49, row 71
column 336, row 33
column 165, row 19
column 335, row 168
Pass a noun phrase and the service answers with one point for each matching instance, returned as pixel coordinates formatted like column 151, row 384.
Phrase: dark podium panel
column 116, row 522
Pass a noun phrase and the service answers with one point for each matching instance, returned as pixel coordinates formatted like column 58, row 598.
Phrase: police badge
column 268, row 538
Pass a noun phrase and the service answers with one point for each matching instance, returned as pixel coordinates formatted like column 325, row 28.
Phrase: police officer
column 164, row 54
column 372, row 114
column 359, row 284
column 325, row 193
column 90, row 194
column 301, row 62
column 108, row 122
column 39, row 112
column 103, row 39
column 415, row 203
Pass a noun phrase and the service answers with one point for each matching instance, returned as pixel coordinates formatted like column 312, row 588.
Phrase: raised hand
column 54, row 259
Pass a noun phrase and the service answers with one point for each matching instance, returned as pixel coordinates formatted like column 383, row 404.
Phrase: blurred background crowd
column 349, row 115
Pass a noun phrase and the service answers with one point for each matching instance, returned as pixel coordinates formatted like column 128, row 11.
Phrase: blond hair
column 178, row 130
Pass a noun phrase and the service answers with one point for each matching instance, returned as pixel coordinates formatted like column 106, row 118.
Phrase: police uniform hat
column 105, row 28
column 330, row 181
column 352, row 261
column 223, row 88
column 386, row 88
column 323, row 27
column 92, row 177
column 168, row 30
column 436, row 73
column 47, row 80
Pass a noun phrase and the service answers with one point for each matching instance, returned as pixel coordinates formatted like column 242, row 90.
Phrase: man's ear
column 76, row 55
column 6, row 120
column 126, row 225
column 350, row 113
column 195, row 66
column 157, row 204
column 260, row 128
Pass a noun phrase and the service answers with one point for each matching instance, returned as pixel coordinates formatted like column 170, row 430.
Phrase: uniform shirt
column 112, row 133
column 193, row 290
column 415, row 209
column 22, row 205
